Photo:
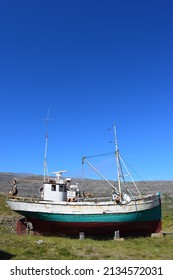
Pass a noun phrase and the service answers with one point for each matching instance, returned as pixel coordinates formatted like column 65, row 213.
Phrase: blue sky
column 92, row 63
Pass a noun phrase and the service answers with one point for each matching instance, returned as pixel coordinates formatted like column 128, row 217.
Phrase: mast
column 117, row 160
column 46, row 145
column 120, row 164
column 120, row 173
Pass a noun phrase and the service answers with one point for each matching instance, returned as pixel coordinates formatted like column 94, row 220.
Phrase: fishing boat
column 62, row 209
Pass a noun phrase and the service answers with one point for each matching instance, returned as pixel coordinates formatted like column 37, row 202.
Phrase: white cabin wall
column 54, row 195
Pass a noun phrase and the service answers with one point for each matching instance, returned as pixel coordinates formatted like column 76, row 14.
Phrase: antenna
column 46, row 144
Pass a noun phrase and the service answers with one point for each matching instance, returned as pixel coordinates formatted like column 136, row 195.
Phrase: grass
column 59, row 248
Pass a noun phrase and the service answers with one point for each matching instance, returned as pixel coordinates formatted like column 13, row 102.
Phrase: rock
column 39, row 242
column 157, row 235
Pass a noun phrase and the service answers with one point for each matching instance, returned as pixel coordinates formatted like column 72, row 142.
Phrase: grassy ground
column 29, row 247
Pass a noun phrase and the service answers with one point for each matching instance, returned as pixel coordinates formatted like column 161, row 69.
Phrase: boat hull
column 141, row 217
column 93, row 229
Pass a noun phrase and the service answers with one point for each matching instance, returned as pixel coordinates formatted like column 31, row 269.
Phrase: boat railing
column 22, row 198
column 95, row 198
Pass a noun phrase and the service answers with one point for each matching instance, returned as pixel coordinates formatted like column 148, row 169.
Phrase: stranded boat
column 62, row 210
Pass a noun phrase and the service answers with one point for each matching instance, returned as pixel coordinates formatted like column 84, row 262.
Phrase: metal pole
column 84, row 159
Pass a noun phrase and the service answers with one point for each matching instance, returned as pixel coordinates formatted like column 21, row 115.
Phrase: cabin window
column 61, row 188
column 53, row 188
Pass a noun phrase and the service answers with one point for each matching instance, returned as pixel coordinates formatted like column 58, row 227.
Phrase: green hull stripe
column 139, row 216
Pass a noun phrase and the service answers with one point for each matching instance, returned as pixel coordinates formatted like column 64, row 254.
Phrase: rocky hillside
column 29, row 185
